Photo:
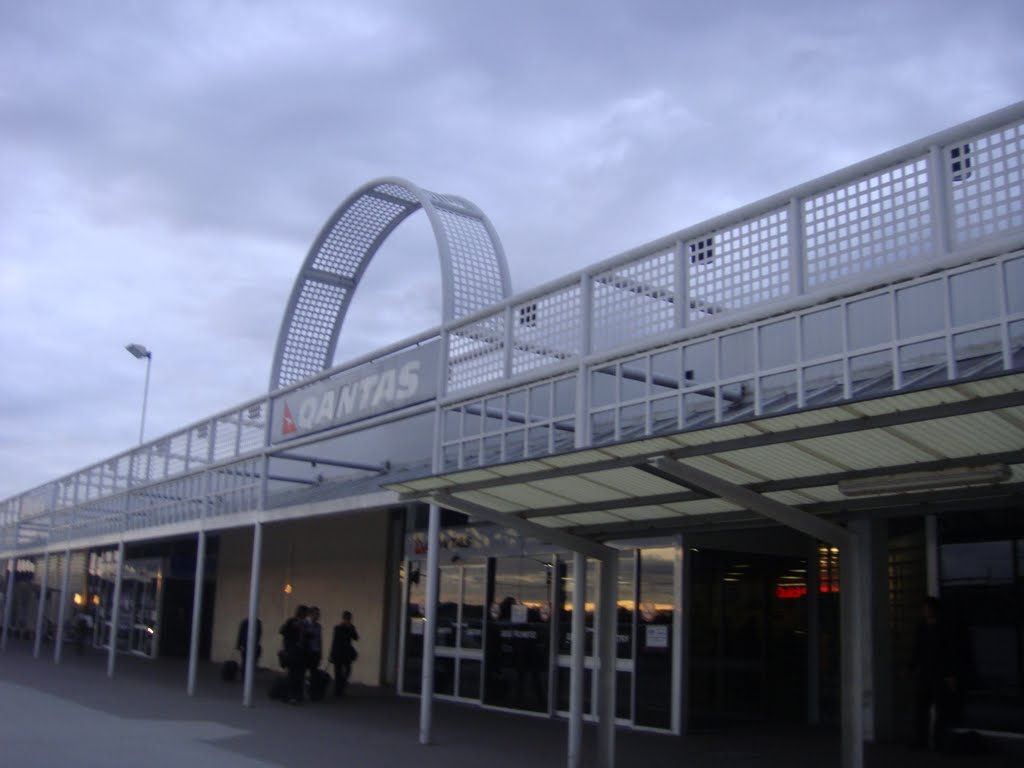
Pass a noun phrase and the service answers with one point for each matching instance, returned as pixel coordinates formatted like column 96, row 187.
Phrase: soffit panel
column 591, row 518
column 712, row 465
column 781, row 462
column 579, row 489
column 702, row 506
column 630, row 481
column 528, row 497
column 650, row 512
column 969, row 435
column 491, row 501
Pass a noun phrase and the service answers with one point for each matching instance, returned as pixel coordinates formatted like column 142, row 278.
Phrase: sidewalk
column 72, row 714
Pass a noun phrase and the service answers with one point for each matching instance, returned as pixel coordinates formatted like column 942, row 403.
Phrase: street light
column 138, row 352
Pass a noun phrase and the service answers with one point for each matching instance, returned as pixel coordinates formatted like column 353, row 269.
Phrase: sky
column 165, row 167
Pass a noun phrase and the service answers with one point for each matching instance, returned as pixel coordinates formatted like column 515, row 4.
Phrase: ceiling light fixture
column 923, row 481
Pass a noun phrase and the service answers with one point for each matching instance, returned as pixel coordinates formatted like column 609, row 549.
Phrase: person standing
column 343, row 653
column 293, row 634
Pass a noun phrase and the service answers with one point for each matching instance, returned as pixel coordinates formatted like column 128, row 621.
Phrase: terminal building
column 708, row 481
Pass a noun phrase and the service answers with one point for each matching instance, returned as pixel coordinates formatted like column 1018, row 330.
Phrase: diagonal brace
column 789, row 516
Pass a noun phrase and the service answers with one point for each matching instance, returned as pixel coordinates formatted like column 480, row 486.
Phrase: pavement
column 72, row 714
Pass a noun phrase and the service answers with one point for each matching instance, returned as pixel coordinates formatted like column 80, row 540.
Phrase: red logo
column 287, row 422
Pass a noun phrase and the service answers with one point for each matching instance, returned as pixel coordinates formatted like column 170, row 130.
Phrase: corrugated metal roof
column 870, row 447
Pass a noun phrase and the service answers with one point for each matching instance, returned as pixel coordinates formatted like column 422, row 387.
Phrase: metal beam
column 738, row 494
column 534, row 530
column 386, row 466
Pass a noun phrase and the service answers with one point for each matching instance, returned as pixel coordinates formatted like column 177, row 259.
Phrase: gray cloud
column 168, row 165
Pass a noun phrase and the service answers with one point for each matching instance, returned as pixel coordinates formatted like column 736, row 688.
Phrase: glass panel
column 602, row 427
column 452, row 420
column 474, row 597
column 974, row 296
column 565, row 397
column 540, row 402
column 978, row 352
column 471, row 453
column 778, row 392
column 517, row 406
column 469, row 679
column 977, row 563
column 492, row 450
column 822, row 333
column 517, row 638
column 1017, row 344
column 495, row 412
column 923, row 364
column 632, row 422
column 699, row 362
column 666, row 371
column 869, row 321
column 450, row 457
column 737, row 400
column 539, row 441
column 664, row 415
column 602, row 386
column 633, row 379
column 871, row 374
column 565, row 435
column 921, row 308
column 515, row 445
column 471, row 419
column 823, row 383
column 1015, row 286
column 778, row 344
column 698, row 409
column 448, row 607
column 737, row 352
column 655, row 637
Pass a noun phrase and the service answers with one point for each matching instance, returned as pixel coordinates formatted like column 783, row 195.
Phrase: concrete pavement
column 73, row 714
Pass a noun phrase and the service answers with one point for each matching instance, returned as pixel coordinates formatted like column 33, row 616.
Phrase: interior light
column 922, row 481
column 78, row 598
column 287, row 589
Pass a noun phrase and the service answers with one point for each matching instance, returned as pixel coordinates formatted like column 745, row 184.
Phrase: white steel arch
column 474, row 273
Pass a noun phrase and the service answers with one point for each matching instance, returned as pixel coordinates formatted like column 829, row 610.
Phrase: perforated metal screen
column 474, row 274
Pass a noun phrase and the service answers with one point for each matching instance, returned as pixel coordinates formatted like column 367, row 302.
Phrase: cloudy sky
column 164, row 167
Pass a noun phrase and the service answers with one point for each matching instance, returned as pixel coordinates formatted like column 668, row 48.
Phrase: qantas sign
column 371, row 389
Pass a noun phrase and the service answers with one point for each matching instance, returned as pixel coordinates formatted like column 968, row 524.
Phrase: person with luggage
column 343, row 653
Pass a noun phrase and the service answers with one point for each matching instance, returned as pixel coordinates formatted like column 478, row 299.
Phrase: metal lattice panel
column 874, row 222
column 985, row 174
column 737, row 267
column 476, row 353
column 634, row 301
column 547, row 329
column 474, row 274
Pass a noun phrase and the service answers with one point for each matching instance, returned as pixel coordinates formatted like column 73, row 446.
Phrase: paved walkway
column 73, row 715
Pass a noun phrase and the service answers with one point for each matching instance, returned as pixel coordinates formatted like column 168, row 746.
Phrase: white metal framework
column 474, row 273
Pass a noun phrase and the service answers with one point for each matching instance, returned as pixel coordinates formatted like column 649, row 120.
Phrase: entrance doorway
column 748, row 634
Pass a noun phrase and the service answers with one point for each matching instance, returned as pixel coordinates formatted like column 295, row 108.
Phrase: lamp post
column 138, row 352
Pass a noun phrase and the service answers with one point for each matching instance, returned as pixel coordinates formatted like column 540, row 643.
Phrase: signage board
column 368, row 390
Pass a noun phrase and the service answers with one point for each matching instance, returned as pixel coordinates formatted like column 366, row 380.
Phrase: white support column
column 12, row 563
column 254, row 596
column 115, row 611
column 851, row 654
column 58, row 640
column 430, row 630
column 579, row 644
column 197, row 613
column 41, row 608
column 681, row 583
column 608, row 647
